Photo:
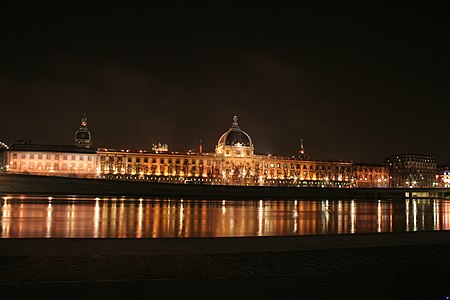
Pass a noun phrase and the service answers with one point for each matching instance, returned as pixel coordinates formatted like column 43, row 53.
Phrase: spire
column 235, row 123
column 301, row 152
column 200, row 150
column 84, row 123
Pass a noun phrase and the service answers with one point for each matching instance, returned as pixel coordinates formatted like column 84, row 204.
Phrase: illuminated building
column 234, row 162
column 58, row 160
column 412, row 170
column 443, row 176
column 160, row 148
column 78, row 160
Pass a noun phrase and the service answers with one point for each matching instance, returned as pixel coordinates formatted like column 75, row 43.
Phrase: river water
column 81, row 217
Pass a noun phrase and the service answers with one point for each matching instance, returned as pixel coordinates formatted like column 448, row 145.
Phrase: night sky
column 356, row 83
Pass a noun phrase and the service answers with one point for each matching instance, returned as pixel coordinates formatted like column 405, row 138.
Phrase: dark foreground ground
column 370, row 266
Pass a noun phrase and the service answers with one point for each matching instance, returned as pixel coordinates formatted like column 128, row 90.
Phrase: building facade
column 412, row 170
column 234, row 162
column 443, row 176
column 57, row 160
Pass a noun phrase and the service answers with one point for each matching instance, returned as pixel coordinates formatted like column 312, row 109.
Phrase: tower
column 301, row 152
column 83, row 136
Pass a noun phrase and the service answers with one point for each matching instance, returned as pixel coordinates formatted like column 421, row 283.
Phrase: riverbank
column 52, row 185
column 393, row 266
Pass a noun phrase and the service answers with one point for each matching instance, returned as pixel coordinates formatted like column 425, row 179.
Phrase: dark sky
column 356, row 83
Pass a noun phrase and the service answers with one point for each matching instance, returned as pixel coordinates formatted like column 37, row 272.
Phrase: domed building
column 235, row 142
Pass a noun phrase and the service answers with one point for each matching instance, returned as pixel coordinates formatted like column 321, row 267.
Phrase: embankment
column 49, row 185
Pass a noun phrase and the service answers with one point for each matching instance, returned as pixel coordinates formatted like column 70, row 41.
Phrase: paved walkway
column 393, row 266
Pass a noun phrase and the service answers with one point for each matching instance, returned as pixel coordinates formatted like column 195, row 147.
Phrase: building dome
column 235, row 142
column 235, row 136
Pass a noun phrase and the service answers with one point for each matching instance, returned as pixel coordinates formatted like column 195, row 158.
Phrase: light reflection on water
column 75, row 217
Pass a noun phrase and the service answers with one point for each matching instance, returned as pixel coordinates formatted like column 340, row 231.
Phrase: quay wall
column 52, row 185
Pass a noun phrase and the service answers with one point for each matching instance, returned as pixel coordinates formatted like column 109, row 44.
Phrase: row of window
column 153, row 160
column 52, row 156
column 49, row 167
column 200, row 162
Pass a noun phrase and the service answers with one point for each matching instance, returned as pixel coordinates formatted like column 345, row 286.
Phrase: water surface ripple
column 81, row 217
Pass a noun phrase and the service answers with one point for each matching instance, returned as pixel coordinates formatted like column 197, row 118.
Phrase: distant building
column 234, row 162
column 412, row 170
column 443, row 175
column 160, row 148
column 58, row 160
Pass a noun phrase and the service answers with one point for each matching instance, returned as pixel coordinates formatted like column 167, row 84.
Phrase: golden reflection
column 139, row 218
column 6, row 216
column 407, row 214
column 49, row 219
column 379, row 216
column 414, row 201
column 340, row 217
column 260, row 217
column 445, row 215
column 353, row 216
column 96, row 218
column 181, row 221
